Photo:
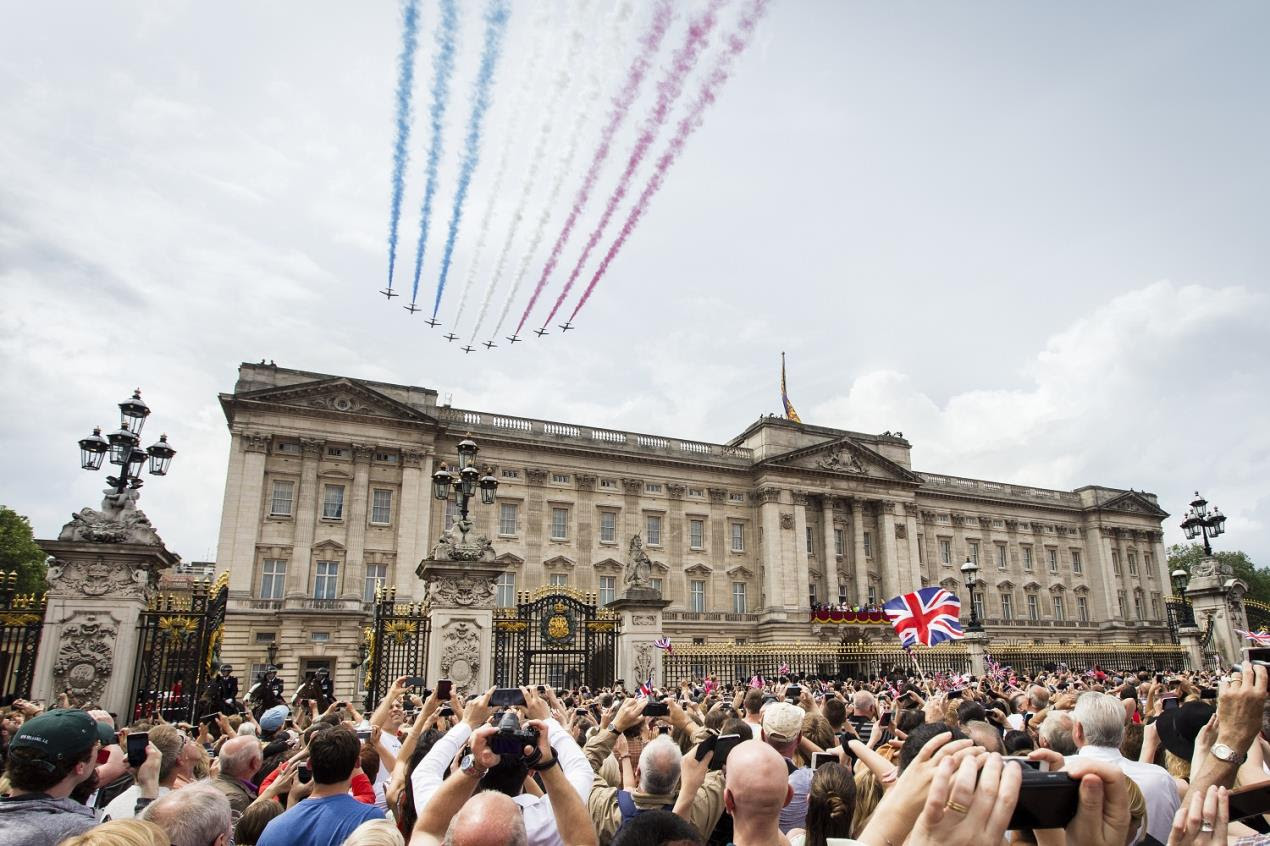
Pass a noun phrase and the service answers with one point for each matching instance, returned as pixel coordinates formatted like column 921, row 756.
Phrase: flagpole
column 913, row 654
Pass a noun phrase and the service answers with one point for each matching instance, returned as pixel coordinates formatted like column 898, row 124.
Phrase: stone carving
column 1012, row 525
column 585, row 483
column 85, row 656
column 97, row 578
column 463, row 590
column 643, row 619
column 119, row 521
column 535, row 475
column 311, row 447
column 900, row 531
column 363, row 452
column 633, row 487
column 643, row 663
column 1212, row 567
column 412, row 458
column 461, row 656
column 985, row 522
column 675, row 491
column 801, row 498
column 787, row 520
column 886, row 507
column 255, row 442
column 639, row 568
column 460, row 548
column 718, row 495
column 842, row 460
column 766, row 495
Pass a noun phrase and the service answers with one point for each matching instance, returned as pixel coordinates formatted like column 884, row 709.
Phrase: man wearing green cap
column 48, row 757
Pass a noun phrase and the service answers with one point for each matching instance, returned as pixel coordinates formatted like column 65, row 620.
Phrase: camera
column 511, row 739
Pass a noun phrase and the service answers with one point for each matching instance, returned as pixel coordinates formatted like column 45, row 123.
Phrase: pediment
column 609, row 565
column 559, row 562
column 1081, row 589
column 949, row 585
column 843, row 457
column 698, row 570
column 509, row 559
column 1032, row 585
column 338, row 396
column 740, row 571
column 1057, row 588
column 660, row 567
column 330, row 545
column 1005, row 584
column 1132, row 502
column 335, row 474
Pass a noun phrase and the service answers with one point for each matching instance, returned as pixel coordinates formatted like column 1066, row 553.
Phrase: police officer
column 267, row 692
column 327, row 687
column 222, row 691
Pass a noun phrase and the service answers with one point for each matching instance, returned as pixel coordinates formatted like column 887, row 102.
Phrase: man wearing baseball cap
column 782, row 729
column 48, row 757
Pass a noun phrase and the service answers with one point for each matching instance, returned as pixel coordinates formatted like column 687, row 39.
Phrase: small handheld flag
column 784, row 670
column 1259, row 638
column 927, row 617
column 756, row 681
column 646, row 688
column 790, row 414
column 663, row 643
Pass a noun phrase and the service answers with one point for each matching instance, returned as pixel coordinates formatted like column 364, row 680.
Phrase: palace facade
column 329, row 496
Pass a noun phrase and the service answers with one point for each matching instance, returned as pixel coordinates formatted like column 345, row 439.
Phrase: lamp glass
column 133, row 413
column 467, row 478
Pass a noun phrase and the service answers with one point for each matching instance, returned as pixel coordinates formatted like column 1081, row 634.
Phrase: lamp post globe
column 92, row 450
column 124, row 447
column 133, row 413
column 1201, row 524
column 464, row 482
column 969, row 574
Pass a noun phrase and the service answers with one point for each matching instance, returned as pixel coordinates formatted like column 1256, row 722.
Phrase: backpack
column 626, row 804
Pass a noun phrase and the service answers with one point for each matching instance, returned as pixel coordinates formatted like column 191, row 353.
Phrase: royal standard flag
column 790, row 414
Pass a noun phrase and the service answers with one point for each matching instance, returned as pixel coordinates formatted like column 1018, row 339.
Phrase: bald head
column 757, row 781
column 240, row 757
column 487, row 819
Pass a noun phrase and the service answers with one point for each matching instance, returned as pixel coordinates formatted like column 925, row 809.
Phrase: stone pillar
column 1217, row 598
column 97, row 591
column 536, row 527
column 461, row 598
column 1190, row 638
column 976, row 650
column 801, row 553
column 858, row 560
column 889, row 566
column 769, row 507
column 355, row 555
column 245, row 511
column 831, row 550
column 306, row 507
column 914, row 553
column 412, row 520
column 637, row 658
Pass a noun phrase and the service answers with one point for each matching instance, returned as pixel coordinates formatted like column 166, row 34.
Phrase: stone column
column 637, row 658
column 768, row 500
column 355, row 556
column 1217, row 599
column 535, row 527
column 632, row 490
column 976, row 650
column 1110, row 611
column 914, row 553
column 247, row 509
column 801, row 553
column 97, row 592
column 306, row 507
column 890, row 563
column 412, row 518
column 831, row 550
column 859, row 561
column 584, row 515
column 461, row 597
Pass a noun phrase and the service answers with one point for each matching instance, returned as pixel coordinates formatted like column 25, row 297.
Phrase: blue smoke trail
column 443, row 69
column 400, row 153
column 496, row 15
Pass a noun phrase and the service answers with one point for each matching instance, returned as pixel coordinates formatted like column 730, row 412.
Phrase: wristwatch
column 469, row 767
column 1222, row 752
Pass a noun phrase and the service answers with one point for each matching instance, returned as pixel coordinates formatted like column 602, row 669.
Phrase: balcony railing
column 709, row 616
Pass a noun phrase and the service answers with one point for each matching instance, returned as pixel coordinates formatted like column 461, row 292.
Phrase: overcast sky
column 1030, row 236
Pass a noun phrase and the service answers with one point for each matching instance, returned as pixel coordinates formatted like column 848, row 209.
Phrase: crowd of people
column 1058, row 757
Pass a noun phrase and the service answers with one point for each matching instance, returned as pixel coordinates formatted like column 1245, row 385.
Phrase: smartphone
column 137, row 743
column 582, row 712
column 885, row 719
column 819, row 759
column 1251, row 801
column 1039, row 766
column 304, row 775
column 502, row 696
column 1046, row 800
column 1168, row 703
column 445, row 711
column 542, row 688
column 724, row 745
column 664, row 729
column 793, row 692
column 413, row 681
column 955, row 694
column 844, row 740
column 363, row 735
column 706, row 746
column 656, row 709
column 445, row 688
column 1159, row 678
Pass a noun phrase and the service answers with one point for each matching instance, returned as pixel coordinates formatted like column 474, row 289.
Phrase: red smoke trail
column 668, row 91
column 737, row 42
column 651, row 42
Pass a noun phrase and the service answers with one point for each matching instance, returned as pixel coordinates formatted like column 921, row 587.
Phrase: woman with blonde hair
column 375, row 833
column 121, row 833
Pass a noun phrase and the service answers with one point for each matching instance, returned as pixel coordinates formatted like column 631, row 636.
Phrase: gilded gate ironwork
column 558, row 636
column 21, row 623
column 178, row 648
column 396, row 643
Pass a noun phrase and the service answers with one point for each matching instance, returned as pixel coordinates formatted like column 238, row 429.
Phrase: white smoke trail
column 528, row 74
column 601, row 59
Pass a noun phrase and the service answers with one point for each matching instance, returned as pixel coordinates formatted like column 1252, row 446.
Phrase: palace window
column 505, row 590
column 1124, row 608
column 657, row 585
column 873, row 594
column 1133, row 563
column 1003, row 556
column 697, row 595
column 326, row 581
column 608, row 527
column 921, row 547
column 1155, row 607
column 1052, row 554
column 811, row 542
column 738, row 537
column 1115, row 562
column 287, row 448
column 608, row 484
column 1060, row 608
column 273, row 577
column 736, row 497
column 386, row 457
column 507, row 518
column 977, row 599
column 1146, row 562
column 559, row 580
column 376, row 575
column 652, row 524
column 945, row 552
column 1077, row 566
column 608, row 589
column 559, row 524
column 1033, row 610
column 333, row 503
column 696, row 534
column 560, row 478
column 283, row 498
column 335, row 452
column 739, row 605
column 652, row 487
column 1082, row 609
column 1007, row 606
column 1138, row 609
column 381, row 507
column 972, row 548
column 511, row 474
column 697, row 492
column 868, row 545
column 1027, row 558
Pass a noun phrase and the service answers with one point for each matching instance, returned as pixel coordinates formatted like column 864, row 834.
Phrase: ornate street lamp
column 1199, row 522
column 969, row 572
column 124, row 447
column 1180, row 612
column 464, row 482
column 272, row 651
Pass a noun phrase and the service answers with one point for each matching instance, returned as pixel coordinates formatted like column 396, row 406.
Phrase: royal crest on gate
column 558, row 627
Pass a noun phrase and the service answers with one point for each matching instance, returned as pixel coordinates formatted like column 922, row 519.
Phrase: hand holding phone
column 502, row 697
column 137, row 743
column 445, row 689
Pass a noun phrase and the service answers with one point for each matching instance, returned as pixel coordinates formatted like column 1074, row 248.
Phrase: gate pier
column 637, row 657
column 460, row 597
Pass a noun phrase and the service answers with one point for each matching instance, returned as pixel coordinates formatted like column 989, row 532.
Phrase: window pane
column 1076, row 565
column 1027, row 558
column 506, row 590
column 333, row 502
column 738, row 598
column 325, row 583
column 608, row 527
column 868, row 545
column 811, row 541
column 283, row 496
column 1002, row 556
column 1060, row 609
column 381, row 507
column 1082, row 609
column 607, row 589
column 1007, row 606
column 507, row 518
column 559, row 579
column 840, row 543
column 1053, row 558
column 273, row 576
column 1032, row 610
column 974, row 552
column 653, row 524
column 657, row 585
column 945, row 552
column 697, row 534
column 698, row 595
column 738, row 537
column 559, row 523
column 376, row 575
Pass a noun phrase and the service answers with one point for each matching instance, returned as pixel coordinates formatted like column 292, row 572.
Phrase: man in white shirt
column 179, row 756
column 540, row 821
column 1097, row 730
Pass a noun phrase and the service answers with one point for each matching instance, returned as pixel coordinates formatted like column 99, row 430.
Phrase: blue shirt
column 318, row 822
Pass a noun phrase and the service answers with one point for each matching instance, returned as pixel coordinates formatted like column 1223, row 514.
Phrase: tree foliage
column 18, row 551
column 1187, row 556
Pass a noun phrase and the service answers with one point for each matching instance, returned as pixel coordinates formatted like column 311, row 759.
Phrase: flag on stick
column 927, row 617
column 790, row 414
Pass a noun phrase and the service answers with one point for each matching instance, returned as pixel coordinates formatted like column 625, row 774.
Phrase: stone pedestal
column 460, row 598
column 976, row 651
column 97, row 591
column 1217, row 596
column 637, row 658
column 1190, row 638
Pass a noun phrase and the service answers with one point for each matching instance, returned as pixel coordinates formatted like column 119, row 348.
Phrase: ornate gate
column 179, row 645
column 396, row 643
column 555, row 636
column 21, row 622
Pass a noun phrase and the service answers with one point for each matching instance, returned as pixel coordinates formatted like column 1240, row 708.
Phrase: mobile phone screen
column 1249, row 801
column 722, row 747
column 1046, row 800
column 885, row 718
column 1169, row 703
column 819, row 759
column 137, row 743
column 414, row 681
column 445, row 687
column 503, row 696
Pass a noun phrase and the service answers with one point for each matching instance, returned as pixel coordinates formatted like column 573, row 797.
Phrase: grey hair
column 488, row 817
column 1056, row 731
column 659, row 766
column 1101, row 719
column 195, row 815
column 237, row 754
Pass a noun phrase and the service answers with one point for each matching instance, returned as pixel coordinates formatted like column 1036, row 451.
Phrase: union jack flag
column 784, row 669
column 646, row 688
column 756, row 681
column 1259, row 638
column 927, row 617
column 663, row 643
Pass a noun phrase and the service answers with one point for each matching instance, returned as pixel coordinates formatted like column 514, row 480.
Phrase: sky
column 1030, row 236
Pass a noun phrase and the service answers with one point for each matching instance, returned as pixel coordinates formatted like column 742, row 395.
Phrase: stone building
column 328, row 495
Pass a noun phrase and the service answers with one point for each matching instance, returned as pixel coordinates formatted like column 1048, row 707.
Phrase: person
column 222, row 692
column 864, row 711
column 48, row 757
column 830, row 807
column 326, row 688
column 267, row 692
column 121, row 833
column 178, row 757
column 252, row 823
column 195, row 815
column 388, row 717
column 329, row 814
column 757, row 788
column 782, row 730
column 1097, row 730
column 752, row 704
column 375, row 833
column 658, row 828
column 1056, row 733
column 240, row 757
